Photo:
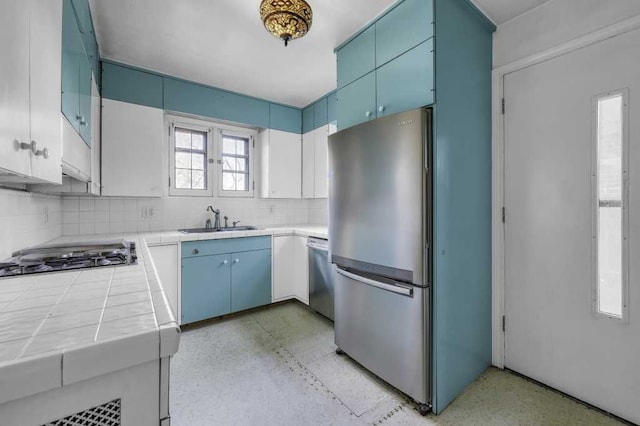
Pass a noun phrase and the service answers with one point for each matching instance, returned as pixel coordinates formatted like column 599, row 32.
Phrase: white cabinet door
column 321, row 161
column 14, row 87
column 283, row 261
column 165, row 259
column 281, row 162
column 45, row 75
column 131, row 150
column 300, row 269
column 308, row 166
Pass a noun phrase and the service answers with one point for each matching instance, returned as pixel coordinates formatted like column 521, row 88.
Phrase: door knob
column 195, row 251
column 224, row 262
column 367, row 114
column 236, row 261
column 381, row 108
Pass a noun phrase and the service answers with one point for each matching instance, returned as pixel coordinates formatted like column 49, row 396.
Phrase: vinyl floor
column 278, row 366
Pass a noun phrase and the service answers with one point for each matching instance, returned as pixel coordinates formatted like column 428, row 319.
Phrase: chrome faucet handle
column 226, row 221
column 235, row 223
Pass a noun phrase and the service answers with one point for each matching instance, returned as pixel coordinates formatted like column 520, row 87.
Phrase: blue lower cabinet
column 206, row 287
column 250, row 279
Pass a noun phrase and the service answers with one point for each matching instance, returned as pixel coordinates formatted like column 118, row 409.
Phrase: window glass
column 190, row 159
column 235, row 163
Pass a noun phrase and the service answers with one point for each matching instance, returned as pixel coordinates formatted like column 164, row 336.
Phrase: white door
column 285, row 165
column 14, row 88
column 321, row 160
column 553, row 333
column 308, row 165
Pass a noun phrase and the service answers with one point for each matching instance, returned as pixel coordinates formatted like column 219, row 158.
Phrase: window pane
column 197, row 141
column 241, row 182
column 183, row 138
column 183, row 160
column 198, row 179
column 183, row 179
column 228, row 146
column 197, row 161
column 228, row 163
column 241, row 164
column 610, row 205
column 228, row 183
column 241, row 145
column 610, row 148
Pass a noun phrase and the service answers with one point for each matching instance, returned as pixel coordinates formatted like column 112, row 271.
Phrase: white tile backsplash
column 27, row 219
column 115, row 214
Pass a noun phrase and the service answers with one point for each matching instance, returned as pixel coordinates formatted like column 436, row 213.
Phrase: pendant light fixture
column 286, row 19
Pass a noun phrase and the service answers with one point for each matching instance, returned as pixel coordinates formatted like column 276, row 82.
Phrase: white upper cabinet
column 280, row 164
column 30, row 46
column 46, row 64
column 131, row 150
column 315, row 163
column 308, row 166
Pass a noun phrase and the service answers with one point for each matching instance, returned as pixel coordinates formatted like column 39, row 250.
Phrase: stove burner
column 64, row 257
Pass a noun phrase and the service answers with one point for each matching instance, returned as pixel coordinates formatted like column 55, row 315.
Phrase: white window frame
column 624, row 318
column 242, row 133
column 214, row 131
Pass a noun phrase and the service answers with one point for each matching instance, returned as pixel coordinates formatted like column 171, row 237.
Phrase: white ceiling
column 500, row 11
column 223, row 43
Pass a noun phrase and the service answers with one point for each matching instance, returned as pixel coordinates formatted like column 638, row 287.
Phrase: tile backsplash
column 101, row 215
column 27, row 219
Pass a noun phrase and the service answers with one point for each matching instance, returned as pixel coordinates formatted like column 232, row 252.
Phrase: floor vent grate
column 103, row 415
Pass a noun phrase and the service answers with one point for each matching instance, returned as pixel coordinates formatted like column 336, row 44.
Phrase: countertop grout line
column 104, row 304
column 47, row 316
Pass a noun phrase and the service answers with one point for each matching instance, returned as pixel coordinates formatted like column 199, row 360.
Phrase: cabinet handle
column 224, row 262
column 381, row 108
column 43, row 152
column 367, row 114
column 33, row 147
column 195, row 251
column 81, row 119
column 236, row 261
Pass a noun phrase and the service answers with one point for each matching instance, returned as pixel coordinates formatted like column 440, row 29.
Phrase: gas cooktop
column 69, row 256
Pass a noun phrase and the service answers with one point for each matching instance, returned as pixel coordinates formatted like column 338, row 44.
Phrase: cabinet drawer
column 357, row 57
column 404, row 27
column 231, row 245
column 406, row 82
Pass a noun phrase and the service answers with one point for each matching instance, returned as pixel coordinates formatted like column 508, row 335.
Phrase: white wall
column 556, row 22
column 88, row 215
column 27, row 219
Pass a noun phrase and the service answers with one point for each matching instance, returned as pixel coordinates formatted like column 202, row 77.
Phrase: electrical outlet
column 148, row 212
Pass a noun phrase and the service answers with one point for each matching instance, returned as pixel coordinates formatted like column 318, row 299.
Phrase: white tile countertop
column 64, row 327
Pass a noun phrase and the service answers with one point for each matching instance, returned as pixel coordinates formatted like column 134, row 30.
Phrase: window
column 192, row 144
column 610, row 224
column 235, row 163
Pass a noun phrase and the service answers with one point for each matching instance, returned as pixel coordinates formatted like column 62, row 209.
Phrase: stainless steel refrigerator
column 380, row 226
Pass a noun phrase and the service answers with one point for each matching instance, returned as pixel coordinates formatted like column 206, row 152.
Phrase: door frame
column 498, row 144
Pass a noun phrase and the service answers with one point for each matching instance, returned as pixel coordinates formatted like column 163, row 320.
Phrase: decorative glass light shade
column 286, row 19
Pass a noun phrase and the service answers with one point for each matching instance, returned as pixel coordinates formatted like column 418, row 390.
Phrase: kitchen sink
column 207, row 230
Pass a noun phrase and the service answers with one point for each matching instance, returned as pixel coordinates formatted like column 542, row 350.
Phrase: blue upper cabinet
column 307, row 119
column 85, row 25
column 404, row 27
column 357, row 102
column 357, row 58
column 320, row 113
column 126, row 84
column 287, row 119
column 332, row 105
column 406, row 82
column 243, row 109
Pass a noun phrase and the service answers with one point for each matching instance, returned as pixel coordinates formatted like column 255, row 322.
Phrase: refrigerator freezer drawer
column 386, row 331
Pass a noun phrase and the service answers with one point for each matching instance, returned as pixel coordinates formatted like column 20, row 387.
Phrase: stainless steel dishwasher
column 320, row 277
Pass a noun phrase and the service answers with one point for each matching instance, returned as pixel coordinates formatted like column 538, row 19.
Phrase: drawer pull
column 236, row 261
column 195, row 251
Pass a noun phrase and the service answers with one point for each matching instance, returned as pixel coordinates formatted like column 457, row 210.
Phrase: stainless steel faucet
column 226, row 221
column 236, row 222
column 216, row 224
column 207, row 224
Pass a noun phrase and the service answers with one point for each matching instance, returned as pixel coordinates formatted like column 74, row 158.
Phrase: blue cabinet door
column 357, row 102
column 331, row 107
column 125, row 84
column 406, row 82
column 72, row 55
column 357, row 58
column 404, row 27
column 307, row 119
column 84, row 92
column 320, row 113
column 250, row 279
column 206, row 287
column 287, row 119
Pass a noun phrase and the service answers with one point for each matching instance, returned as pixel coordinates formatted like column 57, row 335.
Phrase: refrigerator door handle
column 317, row 247
column 405, row 291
